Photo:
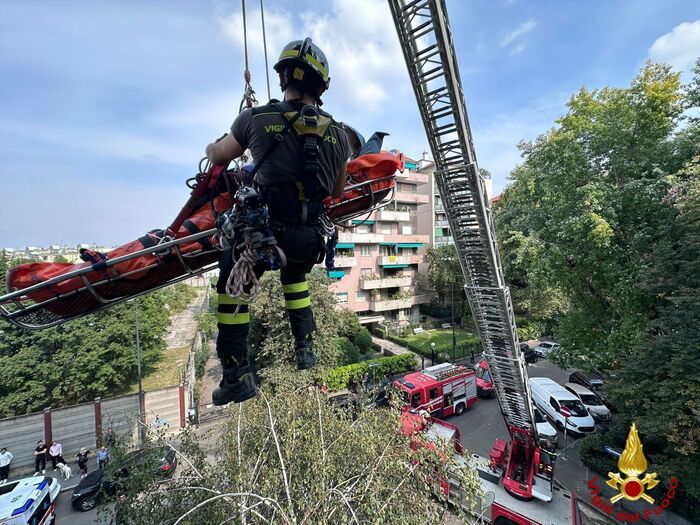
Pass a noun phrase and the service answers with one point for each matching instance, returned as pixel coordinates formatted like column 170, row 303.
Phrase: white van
column 550, row 396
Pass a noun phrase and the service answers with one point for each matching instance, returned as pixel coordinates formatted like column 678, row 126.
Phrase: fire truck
column 440, row 390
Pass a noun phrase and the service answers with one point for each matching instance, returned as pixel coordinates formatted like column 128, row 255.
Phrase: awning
column 410, row 244
column 345, row 245
column 336, row 274
column 388, row 244
column 358, row 221
column 395, row 266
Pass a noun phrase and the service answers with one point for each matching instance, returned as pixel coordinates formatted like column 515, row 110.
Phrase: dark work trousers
column 4, row 472
column 56, row 459
column 301, row 245
column 40, row 462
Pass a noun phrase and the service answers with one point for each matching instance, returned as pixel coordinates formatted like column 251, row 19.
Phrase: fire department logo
column 632, row 463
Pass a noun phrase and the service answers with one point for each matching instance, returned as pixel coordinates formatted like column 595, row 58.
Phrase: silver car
column 545, row 348
column 595, row 406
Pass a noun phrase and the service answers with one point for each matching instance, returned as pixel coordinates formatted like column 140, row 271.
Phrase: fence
column 85, row 425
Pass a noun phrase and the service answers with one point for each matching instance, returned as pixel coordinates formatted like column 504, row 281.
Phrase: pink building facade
column 376, row 263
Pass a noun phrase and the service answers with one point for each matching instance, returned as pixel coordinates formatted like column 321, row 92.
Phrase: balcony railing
column 418, row 198
column 344, row 262
column 383, row 305
column 391, row 215
column 393, row 259
column 387, row 282
column 418, row 178
column 442, row 224
column 361, row 237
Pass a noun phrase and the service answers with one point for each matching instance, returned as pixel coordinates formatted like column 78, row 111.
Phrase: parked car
column 546, row 433
column 545, row 348
column 591, row 401
column 105, row 482
column 529, row 353
column 550, row 397
column 594, row 382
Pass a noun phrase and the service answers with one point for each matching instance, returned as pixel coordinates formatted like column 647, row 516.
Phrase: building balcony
column 412, row 176
column 364, row 238
column 367, row 319
column 439, row 207
column 392, row 215
column 384, row 305
column 393, row 260
column 406, row 238
column 442, row 224
column 344, row 262
column 418, row 198
column 442, row 241
column 387, row 282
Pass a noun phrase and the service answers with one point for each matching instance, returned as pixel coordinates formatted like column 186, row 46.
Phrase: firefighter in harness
column 300, row 154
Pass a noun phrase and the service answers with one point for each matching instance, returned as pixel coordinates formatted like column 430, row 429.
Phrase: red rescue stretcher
column 44, row 294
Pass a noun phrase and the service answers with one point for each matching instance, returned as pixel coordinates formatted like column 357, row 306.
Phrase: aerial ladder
column 426, row 40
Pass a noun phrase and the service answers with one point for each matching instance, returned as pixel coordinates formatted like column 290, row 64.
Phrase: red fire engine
column 440, row 390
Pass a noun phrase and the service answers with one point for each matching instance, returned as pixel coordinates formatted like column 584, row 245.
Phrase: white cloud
column 516, row 39
column 680, row 47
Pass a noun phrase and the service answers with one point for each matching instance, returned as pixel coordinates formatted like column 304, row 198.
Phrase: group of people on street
column 54, row 452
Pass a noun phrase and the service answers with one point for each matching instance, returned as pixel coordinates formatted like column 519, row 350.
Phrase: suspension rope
column 267, row 69
column 246, row 73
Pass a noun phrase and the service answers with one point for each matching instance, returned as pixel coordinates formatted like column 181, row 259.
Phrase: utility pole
column 142, row 421
column 454, row 339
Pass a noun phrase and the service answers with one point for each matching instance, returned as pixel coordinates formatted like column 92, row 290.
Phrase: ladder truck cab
column 440, row 390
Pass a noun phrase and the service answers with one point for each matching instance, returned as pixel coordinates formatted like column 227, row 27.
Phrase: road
column 66, row 515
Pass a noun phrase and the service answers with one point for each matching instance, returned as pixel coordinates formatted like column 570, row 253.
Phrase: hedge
column 463, row 348
column 593, row 455
column 338, row 378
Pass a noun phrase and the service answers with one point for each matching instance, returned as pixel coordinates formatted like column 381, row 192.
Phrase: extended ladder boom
column 425, row 37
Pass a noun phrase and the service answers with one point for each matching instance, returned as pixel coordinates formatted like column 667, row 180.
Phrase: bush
column 593, row 455
column 338, row 378
column 363, row 340
column 349, row 353
column 531, row 329
column 206, row 322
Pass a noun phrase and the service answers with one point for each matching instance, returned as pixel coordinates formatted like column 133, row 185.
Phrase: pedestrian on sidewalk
column 102, row 457
column 5, row 459
column 422, row 362
column 55, row 452
column 82, row 461
column 472, row 358
column 40, row 458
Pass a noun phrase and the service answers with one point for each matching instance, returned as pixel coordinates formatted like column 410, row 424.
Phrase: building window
column 364, row 228
column 361, row 296
column 386, row 227
column 366, row 250
column 407, row 230
column 407, row 312
column 342, row 297
column 366, row 271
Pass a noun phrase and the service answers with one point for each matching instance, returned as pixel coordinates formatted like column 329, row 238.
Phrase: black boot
column 305, row 355
column 237, row 385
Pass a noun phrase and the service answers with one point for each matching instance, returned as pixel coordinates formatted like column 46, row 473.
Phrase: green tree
column 271, row 339
column 285, row 459
column 82, row 359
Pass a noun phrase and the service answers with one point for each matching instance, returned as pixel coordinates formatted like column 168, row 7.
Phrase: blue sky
column 106, row 107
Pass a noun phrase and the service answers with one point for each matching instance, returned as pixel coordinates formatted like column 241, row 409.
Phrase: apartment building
column 432, row 219
column 376, row 262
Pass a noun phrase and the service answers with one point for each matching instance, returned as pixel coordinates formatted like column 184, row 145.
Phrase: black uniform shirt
column 257, row 133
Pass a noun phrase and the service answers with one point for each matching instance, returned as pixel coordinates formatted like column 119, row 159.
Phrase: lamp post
column 454, row 338
column 432, row 353
column 142, row 422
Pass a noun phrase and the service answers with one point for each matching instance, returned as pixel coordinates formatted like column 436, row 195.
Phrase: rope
column 246, row 73
column 242, row 276
column 267, row 69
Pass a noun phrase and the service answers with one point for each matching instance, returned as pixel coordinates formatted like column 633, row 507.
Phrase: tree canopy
column 90, row 357
column 292, row 457
column 599, row 228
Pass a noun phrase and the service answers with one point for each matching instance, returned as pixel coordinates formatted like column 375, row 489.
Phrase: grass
column 442, row 338
column 166, row 372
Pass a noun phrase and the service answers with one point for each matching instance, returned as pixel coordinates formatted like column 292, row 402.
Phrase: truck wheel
column 459, row 409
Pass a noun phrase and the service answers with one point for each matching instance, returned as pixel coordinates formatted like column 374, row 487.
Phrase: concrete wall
column 19, row 436
column 122, row 415
column 163, row 408
column 74, row 427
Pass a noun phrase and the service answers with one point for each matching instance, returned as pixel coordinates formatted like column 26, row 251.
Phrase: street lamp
column 454, row 338
column 142, row 421
column 432, row 353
